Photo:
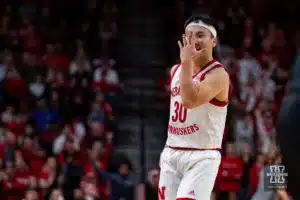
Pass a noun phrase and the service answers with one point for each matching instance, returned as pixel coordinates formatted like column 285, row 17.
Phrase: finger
column 189, row 39
column 179, row 44
column 184, row 40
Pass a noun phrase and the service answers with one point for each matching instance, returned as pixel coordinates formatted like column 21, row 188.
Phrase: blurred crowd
column 257, row 50
column 58, row 88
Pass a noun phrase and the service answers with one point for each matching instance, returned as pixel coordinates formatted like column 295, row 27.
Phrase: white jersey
column 197, row 128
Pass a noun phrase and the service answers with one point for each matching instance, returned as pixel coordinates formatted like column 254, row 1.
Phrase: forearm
column 188, row 91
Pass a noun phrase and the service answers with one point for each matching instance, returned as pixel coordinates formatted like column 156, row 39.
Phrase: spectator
column 56, row 194
column 7, row 149
column 244, row 132
column 45, row 116
column 14, row 84
column 31, row 195
column 90, row 191
column 97, row 114
column 121, row 184
column 230, row 174
column 246, row 155
column 265, row 129
column 149, row 190
column 70, row 162
column 80, row 64
column 255, row 172
column 267, row 86
column 107, row 30
column 49, row 176
column 75, row 131
column 37, row 88
column 7, row 114
column 105, row 77
column 248, row 67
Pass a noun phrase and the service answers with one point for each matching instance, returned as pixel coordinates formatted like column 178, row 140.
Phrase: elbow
column 190, row 103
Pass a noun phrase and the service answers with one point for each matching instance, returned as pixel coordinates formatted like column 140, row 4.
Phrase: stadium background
column 84, row 92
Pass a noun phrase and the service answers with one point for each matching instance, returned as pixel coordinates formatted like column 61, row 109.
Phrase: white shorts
column 188, row 174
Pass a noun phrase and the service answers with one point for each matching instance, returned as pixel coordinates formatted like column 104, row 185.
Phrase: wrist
column 185, row 62
column 186, row 69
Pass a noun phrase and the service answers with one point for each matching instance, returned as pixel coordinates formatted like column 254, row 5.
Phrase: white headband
column 202, row 24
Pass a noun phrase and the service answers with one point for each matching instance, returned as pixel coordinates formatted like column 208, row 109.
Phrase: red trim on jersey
column 185, row 198
column 205, row 66
column 216, row 102
column 205, row 73
column 192, row 149
column 174, row 71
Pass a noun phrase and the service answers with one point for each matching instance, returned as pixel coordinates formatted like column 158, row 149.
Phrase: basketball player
column 199, row 97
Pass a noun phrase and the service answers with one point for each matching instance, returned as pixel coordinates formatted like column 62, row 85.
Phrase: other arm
column 193, row 94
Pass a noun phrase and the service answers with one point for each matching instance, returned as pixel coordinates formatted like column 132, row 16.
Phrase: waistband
column 192, row 149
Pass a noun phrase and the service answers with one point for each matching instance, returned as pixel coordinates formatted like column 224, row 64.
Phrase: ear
column 214, row 42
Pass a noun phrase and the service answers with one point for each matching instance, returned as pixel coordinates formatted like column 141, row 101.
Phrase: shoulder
column 219, row 74
column 174, row 68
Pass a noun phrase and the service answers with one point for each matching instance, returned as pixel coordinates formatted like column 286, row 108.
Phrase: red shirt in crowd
column 54, row 61
column 254, row 177
column 14, row 187
column 229, row 175
column 16, row 128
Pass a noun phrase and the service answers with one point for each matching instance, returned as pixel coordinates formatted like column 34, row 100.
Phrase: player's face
column 201, row 37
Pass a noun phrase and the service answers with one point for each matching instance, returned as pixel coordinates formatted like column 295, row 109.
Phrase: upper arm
column 214, row 83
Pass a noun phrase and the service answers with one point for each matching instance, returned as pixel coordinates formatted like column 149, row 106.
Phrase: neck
column 201, row 63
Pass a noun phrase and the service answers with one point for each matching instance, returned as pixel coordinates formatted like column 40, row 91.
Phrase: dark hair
column 205, row 18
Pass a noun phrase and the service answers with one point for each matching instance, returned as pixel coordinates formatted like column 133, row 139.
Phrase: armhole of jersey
column 174, row 72
column 215, row 101
column 205, row 73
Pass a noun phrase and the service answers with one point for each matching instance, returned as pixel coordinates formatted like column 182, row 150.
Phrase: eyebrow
column 200, row 32
column 197, row 32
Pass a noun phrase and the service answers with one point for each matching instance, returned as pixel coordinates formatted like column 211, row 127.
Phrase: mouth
column 198, row 47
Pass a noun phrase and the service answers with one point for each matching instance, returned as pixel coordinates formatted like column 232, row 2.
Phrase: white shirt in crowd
column 79, row 133
column 37, row 89
column 74, row 67
column 263, row 133
column 248, row 68
column 111, row 76
column 243, row 133
column 249, row 97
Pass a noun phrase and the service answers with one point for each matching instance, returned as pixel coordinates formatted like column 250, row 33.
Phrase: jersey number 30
column 180, row 112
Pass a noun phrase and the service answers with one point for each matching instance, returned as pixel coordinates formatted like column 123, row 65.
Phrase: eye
column 199, row 35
